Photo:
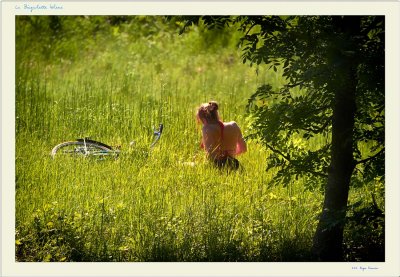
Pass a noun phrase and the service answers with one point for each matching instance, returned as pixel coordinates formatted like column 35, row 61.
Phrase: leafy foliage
column 305, row 49
column 285, row 125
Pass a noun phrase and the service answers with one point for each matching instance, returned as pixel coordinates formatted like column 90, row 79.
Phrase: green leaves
column 310, row 50
column 294, row 126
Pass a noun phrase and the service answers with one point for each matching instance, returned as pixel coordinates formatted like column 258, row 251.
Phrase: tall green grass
column 115, row 86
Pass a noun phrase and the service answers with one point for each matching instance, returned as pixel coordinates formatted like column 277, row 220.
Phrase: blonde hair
column 208, row 112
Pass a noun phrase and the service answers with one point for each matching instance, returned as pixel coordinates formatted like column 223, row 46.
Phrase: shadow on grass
column 62, row 238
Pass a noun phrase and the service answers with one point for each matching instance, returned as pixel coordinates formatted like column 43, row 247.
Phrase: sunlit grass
column 167, row 204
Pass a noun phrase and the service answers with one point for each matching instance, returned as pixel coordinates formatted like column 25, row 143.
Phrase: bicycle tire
column 95, row 142
column 77, row 148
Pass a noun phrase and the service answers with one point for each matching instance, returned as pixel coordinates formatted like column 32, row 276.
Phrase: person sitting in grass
column 221, row 140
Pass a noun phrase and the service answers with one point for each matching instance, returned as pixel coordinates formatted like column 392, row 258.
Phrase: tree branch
column 369, row 158
column 287, row 157
column 251, row 27
column 278, row 152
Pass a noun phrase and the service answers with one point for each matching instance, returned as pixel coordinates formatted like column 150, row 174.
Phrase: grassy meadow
column 115, row 83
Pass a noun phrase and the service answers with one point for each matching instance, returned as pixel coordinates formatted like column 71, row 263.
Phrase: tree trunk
column 329, row 235
column 328, row 238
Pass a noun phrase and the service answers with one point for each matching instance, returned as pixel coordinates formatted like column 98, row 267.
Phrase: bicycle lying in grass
column 87, row 147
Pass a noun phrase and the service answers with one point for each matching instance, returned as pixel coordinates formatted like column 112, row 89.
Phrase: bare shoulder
column 231, row 124
column 233, row 128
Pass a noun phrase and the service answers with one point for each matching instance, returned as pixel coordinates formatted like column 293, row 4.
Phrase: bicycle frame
column 88, row 147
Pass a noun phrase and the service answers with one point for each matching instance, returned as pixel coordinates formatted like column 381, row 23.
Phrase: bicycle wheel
column 82, row 148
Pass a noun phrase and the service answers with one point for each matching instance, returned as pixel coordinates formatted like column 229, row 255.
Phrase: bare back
column 220, row 142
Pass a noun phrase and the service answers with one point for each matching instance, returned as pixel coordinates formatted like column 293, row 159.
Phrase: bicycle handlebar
column 157, row 134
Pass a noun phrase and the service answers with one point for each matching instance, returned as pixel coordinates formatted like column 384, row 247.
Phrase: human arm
column 241, row 146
